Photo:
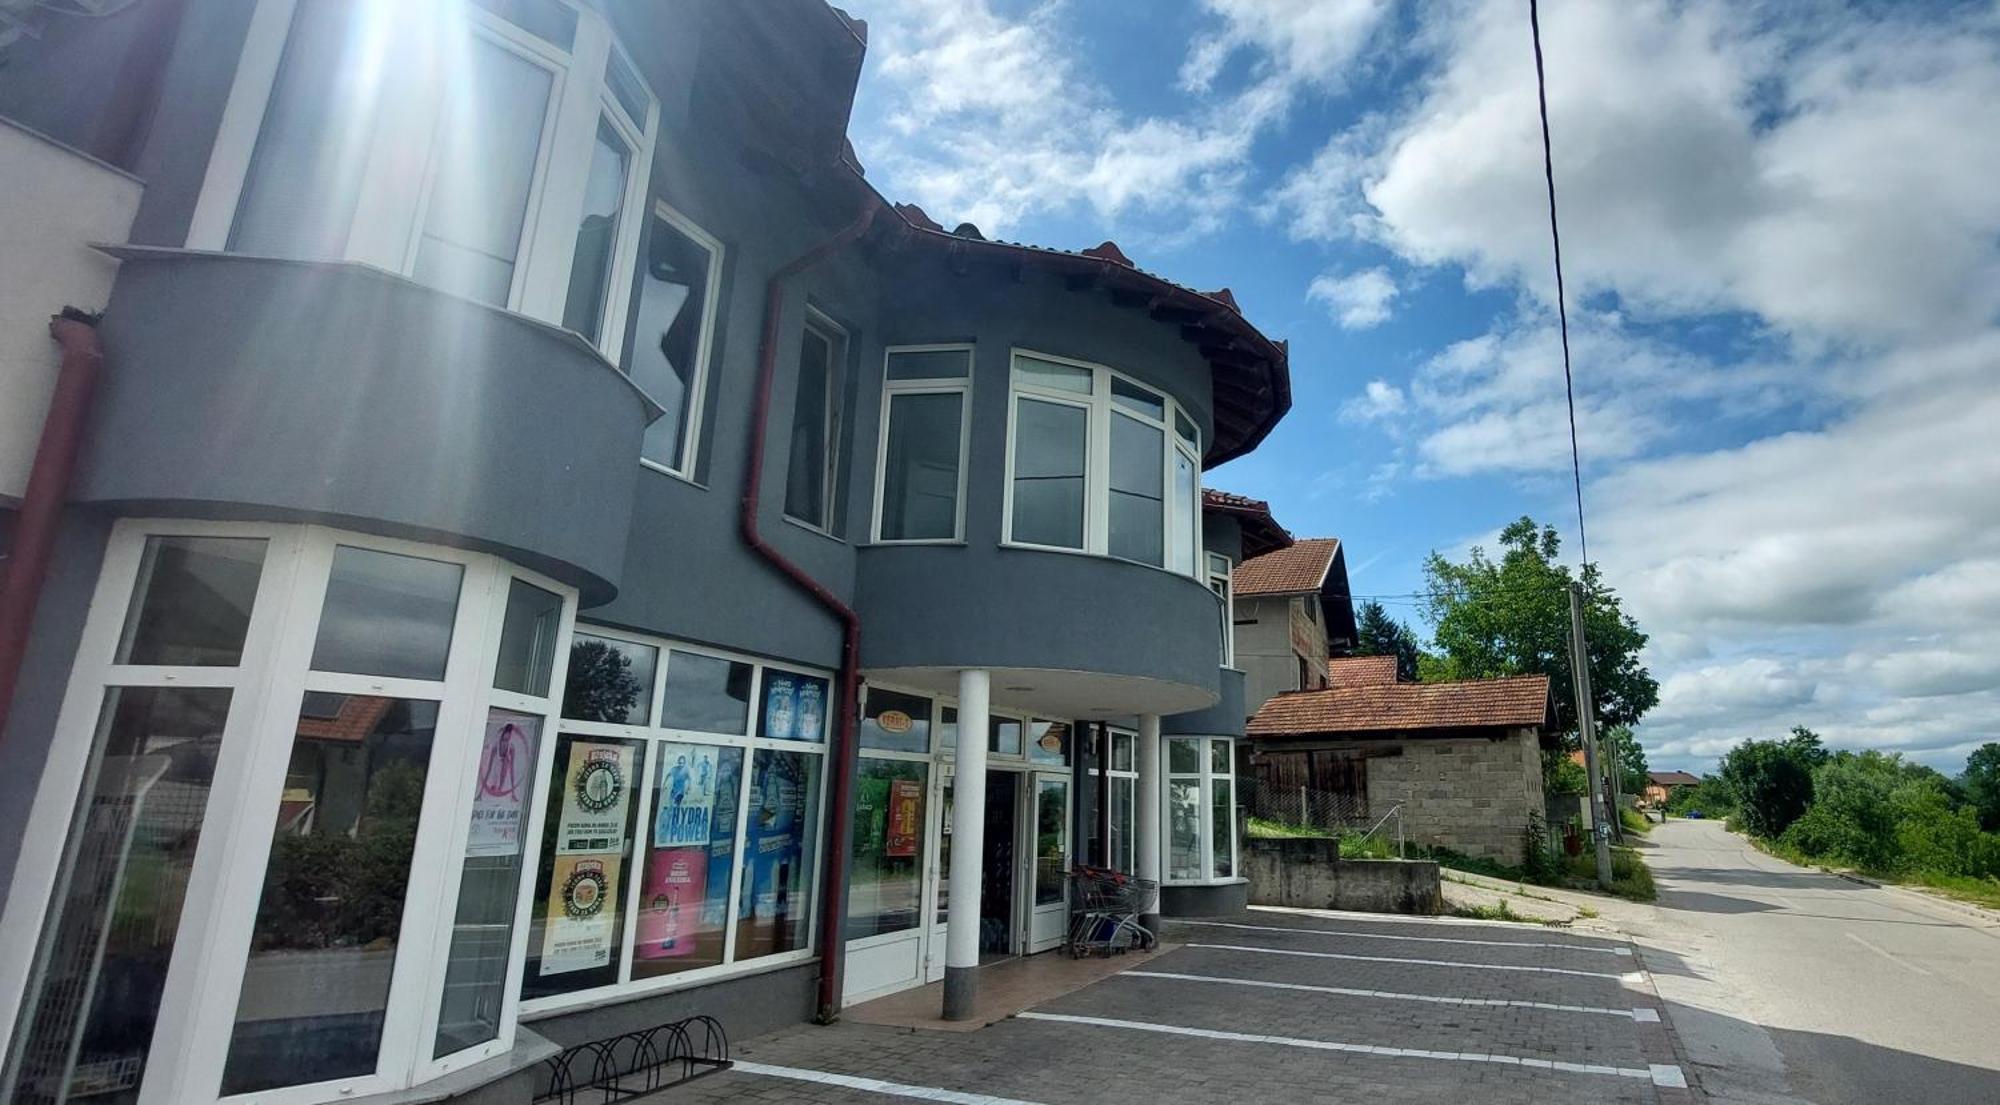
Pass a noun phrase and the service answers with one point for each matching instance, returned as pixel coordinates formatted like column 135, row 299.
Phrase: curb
column 1661, row 1044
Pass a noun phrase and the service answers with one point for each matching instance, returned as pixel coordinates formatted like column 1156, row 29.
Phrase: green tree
column 1510, row 616
column 1981, row 783
column 1807, row 744
column 1773, row 785
column 1378, row 634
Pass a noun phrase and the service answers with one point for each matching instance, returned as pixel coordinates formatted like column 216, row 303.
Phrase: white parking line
column 874, row 1085
column 1629, row 978
column 1620, row 950
column 1659, row 1074
column 1391, row 995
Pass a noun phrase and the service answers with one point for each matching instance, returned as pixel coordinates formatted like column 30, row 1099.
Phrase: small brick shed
column 1463, row 759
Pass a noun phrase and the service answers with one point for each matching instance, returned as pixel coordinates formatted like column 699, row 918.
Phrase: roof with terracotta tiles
column 1360, row 671
column 1261, row 532
column 1521, row 700
column 1299, row 569
column 1671, row 778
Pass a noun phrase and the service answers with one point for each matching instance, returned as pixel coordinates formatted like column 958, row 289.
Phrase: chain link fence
column 1284, row 811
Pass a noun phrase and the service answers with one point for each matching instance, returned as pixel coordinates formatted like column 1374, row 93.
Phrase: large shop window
column 445, row 142
column 1124, row 788
column 292, row 780
column 1201, row 809
column 1100, row 463
column 684, row 828
column 812, row 474
column 922, row 463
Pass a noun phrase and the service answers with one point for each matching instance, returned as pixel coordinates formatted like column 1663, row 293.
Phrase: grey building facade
column 546, row 541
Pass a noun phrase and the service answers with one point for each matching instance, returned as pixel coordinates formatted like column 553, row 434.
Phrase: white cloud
column 1380, row 399
column 1358, row 300
column 992, row 118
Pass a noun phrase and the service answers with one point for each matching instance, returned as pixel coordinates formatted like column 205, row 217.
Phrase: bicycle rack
column 634, row 1063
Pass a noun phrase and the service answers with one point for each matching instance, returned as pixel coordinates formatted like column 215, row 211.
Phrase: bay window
column 1102, row 464
column 920, row 474
column 1200, row 809
column 1220, row 581
column 490, row 149
column 684, row 820
column 288, row 809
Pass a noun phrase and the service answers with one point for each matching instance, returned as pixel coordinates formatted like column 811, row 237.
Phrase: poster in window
column 671, row 903
column 722, row 837
column 794, row 706
column 906, row 818
column 582, row 915
column 686, row 798
column 506, row 761
column 774, row 838
column 596, row 789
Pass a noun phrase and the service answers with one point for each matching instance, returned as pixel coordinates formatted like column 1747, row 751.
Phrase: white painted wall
column 54, row 202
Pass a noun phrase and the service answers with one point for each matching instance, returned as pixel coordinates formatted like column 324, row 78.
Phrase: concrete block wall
column 1475, row 796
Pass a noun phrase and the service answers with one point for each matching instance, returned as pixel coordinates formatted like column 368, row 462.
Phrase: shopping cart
column 1108, row 905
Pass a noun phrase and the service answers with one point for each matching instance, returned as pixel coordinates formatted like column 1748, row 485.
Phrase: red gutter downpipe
column 48, row 485
column 831, row 945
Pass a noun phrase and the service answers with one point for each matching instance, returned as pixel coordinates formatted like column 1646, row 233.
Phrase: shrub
column 1772, row 782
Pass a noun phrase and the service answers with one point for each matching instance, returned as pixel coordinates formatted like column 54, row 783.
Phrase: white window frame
column 198, row 1003
column 1101, row 408
column 1122, row 775
column 389, row 210
column 959, row 386
column 651, row 736
column 1221, row 571
column 1205, row 802
column 837, row 339
column 697, row 396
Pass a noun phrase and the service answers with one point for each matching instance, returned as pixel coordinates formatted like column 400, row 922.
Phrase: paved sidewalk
column 1273, row 1007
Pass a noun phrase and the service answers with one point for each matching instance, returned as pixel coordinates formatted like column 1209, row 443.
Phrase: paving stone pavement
column 1571, row 1001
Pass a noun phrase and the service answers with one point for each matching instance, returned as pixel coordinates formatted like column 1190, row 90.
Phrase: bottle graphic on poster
column 672, row 935
column 780, row 707
column 812, row 710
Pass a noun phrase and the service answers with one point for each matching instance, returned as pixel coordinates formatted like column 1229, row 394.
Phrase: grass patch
column 1965, row 888
column 1357, row 846
column 1498, row 912
column 1633, row 821
column 1283, row 830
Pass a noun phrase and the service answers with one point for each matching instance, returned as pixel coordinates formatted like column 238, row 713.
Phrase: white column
column 968, row 846
column 1150, row 786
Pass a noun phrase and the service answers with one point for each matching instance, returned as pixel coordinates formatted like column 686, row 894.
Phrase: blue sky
column 1783, row 243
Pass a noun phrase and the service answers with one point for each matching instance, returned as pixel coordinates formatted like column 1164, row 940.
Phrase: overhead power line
column 1562, row 308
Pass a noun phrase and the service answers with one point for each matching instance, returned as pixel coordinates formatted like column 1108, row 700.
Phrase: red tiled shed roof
column 1671, row 778
column 1297, row 570
column 1521, row 700
column 1360, row 671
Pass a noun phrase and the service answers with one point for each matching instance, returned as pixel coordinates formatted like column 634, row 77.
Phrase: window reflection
column 666, row 344
column 316, row 988
column 780, row 848
column 387, row 614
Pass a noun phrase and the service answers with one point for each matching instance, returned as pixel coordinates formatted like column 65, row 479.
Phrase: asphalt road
column 1789, row 985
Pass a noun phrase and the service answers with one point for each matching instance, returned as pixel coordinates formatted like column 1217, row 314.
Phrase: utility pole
column 1586, row 721
column 1615, row 767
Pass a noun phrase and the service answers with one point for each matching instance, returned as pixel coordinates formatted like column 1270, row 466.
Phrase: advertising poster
column 722, row 837
column 688, row 780
column 506, row 763
column 775, row 843
column 906, row 818
column 596, row 788
column 671, row 903
column 582, row 918
column 794, row 706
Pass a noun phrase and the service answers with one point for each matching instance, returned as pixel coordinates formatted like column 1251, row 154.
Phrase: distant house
column 1292, row 611
column 1462, row 759
column 1661, row 785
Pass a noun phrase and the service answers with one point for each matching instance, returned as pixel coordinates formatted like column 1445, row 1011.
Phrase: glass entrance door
column 886, row 887
column 1048, row 900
